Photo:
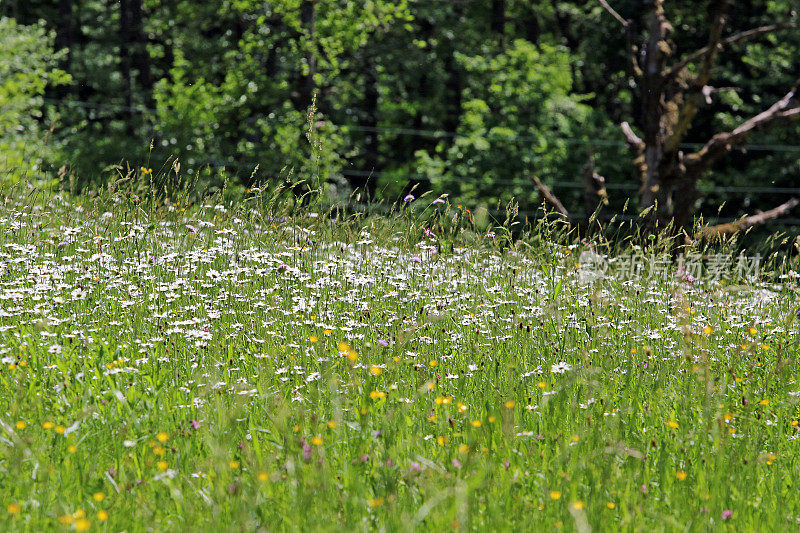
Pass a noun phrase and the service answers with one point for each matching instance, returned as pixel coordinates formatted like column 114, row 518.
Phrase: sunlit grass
column 233, row 366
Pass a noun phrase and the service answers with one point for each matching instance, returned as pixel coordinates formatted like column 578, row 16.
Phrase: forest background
column 468, row 98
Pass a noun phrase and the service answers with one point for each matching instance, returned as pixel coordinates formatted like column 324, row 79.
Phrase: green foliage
column 411, row 93
column 518, row 119
column 27, row 69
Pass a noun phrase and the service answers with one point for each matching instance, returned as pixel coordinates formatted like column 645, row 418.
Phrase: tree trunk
column 140, row 57
column 308, row 22
column 367, row 183
column 669, row 99
column 498, row 23
column 64, row 40
column 125, row 63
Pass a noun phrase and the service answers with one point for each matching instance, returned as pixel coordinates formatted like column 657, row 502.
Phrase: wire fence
column 406, row 177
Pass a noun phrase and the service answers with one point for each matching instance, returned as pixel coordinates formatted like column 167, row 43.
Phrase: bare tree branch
column 693, row 98
column 614, row 14
column 637, row 146
column 780, row 112
column 749, row 34
column 633, row 140
column 632, row 49
column 725, row 230
column 549, row 196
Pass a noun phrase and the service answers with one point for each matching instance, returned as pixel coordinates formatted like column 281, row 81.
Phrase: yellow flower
column 352, row 356
column 72, row 448
column 344, row 347
column 432, row 418
column 764, row 402
column 48, row 425
column 578, row 505
column 13, row 508
column 476, row 423
column 98, row 496
column 611, row 505
column 377, row 395
column 102, row 515
column 317, row 441
column 433, row 362
column 463, row 449
column 65, row 519
column 439, row 400
column 375, row 370
column 162, row 465
column 60, row 429
column 510, row 404
column 162, row 437
column 541, row 384
column 313, row 338
column 461, row 407
column 728, row 417
column 21, row 424
column 327, row 332
column 443, row 440
column 708, row 330
column 159, row 450
column 753, row 331
column 555, row 494
column 681, row 475
column 263, row 476
column 332, row 424
column 233, row 464
column 491, row 419
column 82, row 524
column 375, row 502
column 672, row 424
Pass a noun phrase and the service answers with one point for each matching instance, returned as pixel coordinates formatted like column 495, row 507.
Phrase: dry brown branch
column 725, row 230
column 721, row 143
column 701, row 52
column 549, row 196
column 613, row 13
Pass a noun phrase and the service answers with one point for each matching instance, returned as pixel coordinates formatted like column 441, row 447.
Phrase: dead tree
column 671, row 92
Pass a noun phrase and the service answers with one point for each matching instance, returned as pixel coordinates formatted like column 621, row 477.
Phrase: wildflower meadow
column 237, row 366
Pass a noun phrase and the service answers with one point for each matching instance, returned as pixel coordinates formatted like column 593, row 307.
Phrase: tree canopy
column 461, row 97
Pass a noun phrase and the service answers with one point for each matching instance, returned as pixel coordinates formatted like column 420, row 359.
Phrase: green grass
column 228, row 368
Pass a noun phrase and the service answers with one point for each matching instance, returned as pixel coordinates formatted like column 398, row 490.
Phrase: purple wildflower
column 438, row 201
column 456, row 463
column 383, row 342
column 409, row 198
column 727, row 514
column 195, row 424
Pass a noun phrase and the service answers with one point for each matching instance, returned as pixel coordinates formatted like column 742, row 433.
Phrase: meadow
column 231, row 366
